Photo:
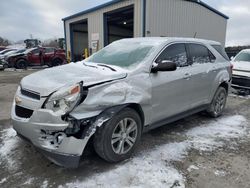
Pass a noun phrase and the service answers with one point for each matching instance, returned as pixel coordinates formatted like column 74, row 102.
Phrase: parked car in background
column 2, row 48
column 4, row 55
column 11, row 54
column 6, row 51
column 3, row 64
column 38, row 56
column 128, row 87
column 241, row 70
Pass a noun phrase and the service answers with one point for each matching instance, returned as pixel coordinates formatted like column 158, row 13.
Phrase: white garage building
column 95, row 28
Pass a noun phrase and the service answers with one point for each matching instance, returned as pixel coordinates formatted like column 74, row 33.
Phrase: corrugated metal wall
column 95, row 21
column 172, row 18
column 180, row 18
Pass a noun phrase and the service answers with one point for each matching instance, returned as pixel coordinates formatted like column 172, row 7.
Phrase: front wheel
column 218, row 103
column 5, row 66
column 115, row 140
column 21, row 64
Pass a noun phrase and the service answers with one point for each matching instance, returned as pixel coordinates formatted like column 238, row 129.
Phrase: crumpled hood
column 49, row 80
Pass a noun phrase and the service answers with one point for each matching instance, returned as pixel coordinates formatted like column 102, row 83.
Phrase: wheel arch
column 20, row 58
column 225, row 85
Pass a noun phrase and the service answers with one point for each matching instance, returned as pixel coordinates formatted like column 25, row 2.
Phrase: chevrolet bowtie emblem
column 18, row 100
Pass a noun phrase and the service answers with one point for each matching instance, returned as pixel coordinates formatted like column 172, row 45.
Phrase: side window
column 175, row 53
column 36, row 52
column 200, row 54
column 49, row 50
column 221, row 51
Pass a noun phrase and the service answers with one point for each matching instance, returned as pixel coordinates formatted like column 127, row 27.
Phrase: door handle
column 187, row 76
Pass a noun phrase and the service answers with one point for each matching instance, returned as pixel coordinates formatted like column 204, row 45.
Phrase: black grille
column 23, row 112
column 241, row 81
column 31, row 94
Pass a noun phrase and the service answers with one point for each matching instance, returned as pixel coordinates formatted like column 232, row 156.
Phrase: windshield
column 242, row 56
column 122, row 53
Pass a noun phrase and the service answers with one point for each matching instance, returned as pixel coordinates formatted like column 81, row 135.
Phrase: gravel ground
column 194, row 152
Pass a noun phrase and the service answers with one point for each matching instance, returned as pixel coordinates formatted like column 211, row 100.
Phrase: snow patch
column 210, row 136
column 154, row 169
column 45, row 184
column 3, row 180
column 29, row 181
column 192, row 167
column 220, row 173
column 148, row 170
column 9, row 143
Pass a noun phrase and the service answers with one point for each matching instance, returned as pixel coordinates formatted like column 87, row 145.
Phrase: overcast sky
column 42, row 18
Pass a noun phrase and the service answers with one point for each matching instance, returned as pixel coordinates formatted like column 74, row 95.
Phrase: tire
column 21, row 64
column 5, row 66
column 56, row 62
column 111, row 131
column 218, row 103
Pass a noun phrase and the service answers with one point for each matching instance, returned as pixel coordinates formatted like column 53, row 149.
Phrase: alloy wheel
column 124, row 136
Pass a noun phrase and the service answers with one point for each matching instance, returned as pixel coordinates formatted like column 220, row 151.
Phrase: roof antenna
column 195, row 34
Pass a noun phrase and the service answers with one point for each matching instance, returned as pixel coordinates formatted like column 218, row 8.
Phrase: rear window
column 221, row 51
column 200, row 54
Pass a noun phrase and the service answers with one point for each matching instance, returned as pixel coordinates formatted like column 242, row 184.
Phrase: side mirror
column 232, row 58
column 164, row 66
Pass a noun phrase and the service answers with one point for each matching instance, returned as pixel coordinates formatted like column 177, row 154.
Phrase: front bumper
column 241, row 82
column 39, row 129
column 61, row 159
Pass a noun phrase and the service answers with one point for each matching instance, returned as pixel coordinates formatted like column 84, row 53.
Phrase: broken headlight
column 65, row 99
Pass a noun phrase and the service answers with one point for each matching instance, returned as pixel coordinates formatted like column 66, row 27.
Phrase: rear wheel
column 5, row 66
column 218, row 103
column 21, row 64
column 115, row 141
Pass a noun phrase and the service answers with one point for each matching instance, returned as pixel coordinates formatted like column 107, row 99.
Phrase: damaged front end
column 53, row 127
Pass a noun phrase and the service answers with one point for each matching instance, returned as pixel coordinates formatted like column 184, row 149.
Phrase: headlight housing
column 65, row 99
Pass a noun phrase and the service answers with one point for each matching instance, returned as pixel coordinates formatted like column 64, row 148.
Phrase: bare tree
column 4, row 42
column 50, row 43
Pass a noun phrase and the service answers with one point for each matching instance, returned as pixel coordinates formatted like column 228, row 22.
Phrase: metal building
column 95, row 28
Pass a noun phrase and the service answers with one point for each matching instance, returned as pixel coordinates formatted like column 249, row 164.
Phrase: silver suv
column 128, row 87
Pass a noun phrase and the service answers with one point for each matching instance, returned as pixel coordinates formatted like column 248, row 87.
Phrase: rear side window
column 175, row 53
column 49, row 50
column 221, row 51
column 200, row 54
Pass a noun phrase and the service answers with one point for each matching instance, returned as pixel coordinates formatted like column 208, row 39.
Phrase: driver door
column 170, row 88
column 34, row 57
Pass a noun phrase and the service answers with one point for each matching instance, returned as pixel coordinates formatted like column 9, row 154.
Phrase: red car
column 37, row 57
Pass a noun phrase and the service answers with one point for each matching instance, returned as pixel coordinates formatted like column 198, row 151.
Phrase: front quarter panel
column 133, row 89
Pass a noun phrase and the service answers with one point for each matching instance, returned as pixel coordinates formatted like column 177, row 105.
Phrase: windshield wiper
column 89, row 65
column 107, row 67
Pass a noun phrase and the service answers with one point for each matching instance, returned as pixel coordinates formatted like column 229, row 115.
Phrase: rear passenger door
column 202, row 71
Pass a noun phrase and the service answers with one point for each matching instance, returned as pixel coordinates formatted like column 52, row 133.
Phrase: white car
column 241, row 70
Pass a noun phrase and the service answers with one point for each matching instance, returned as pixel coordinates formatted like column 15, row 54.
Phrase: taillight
column 231, row 67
